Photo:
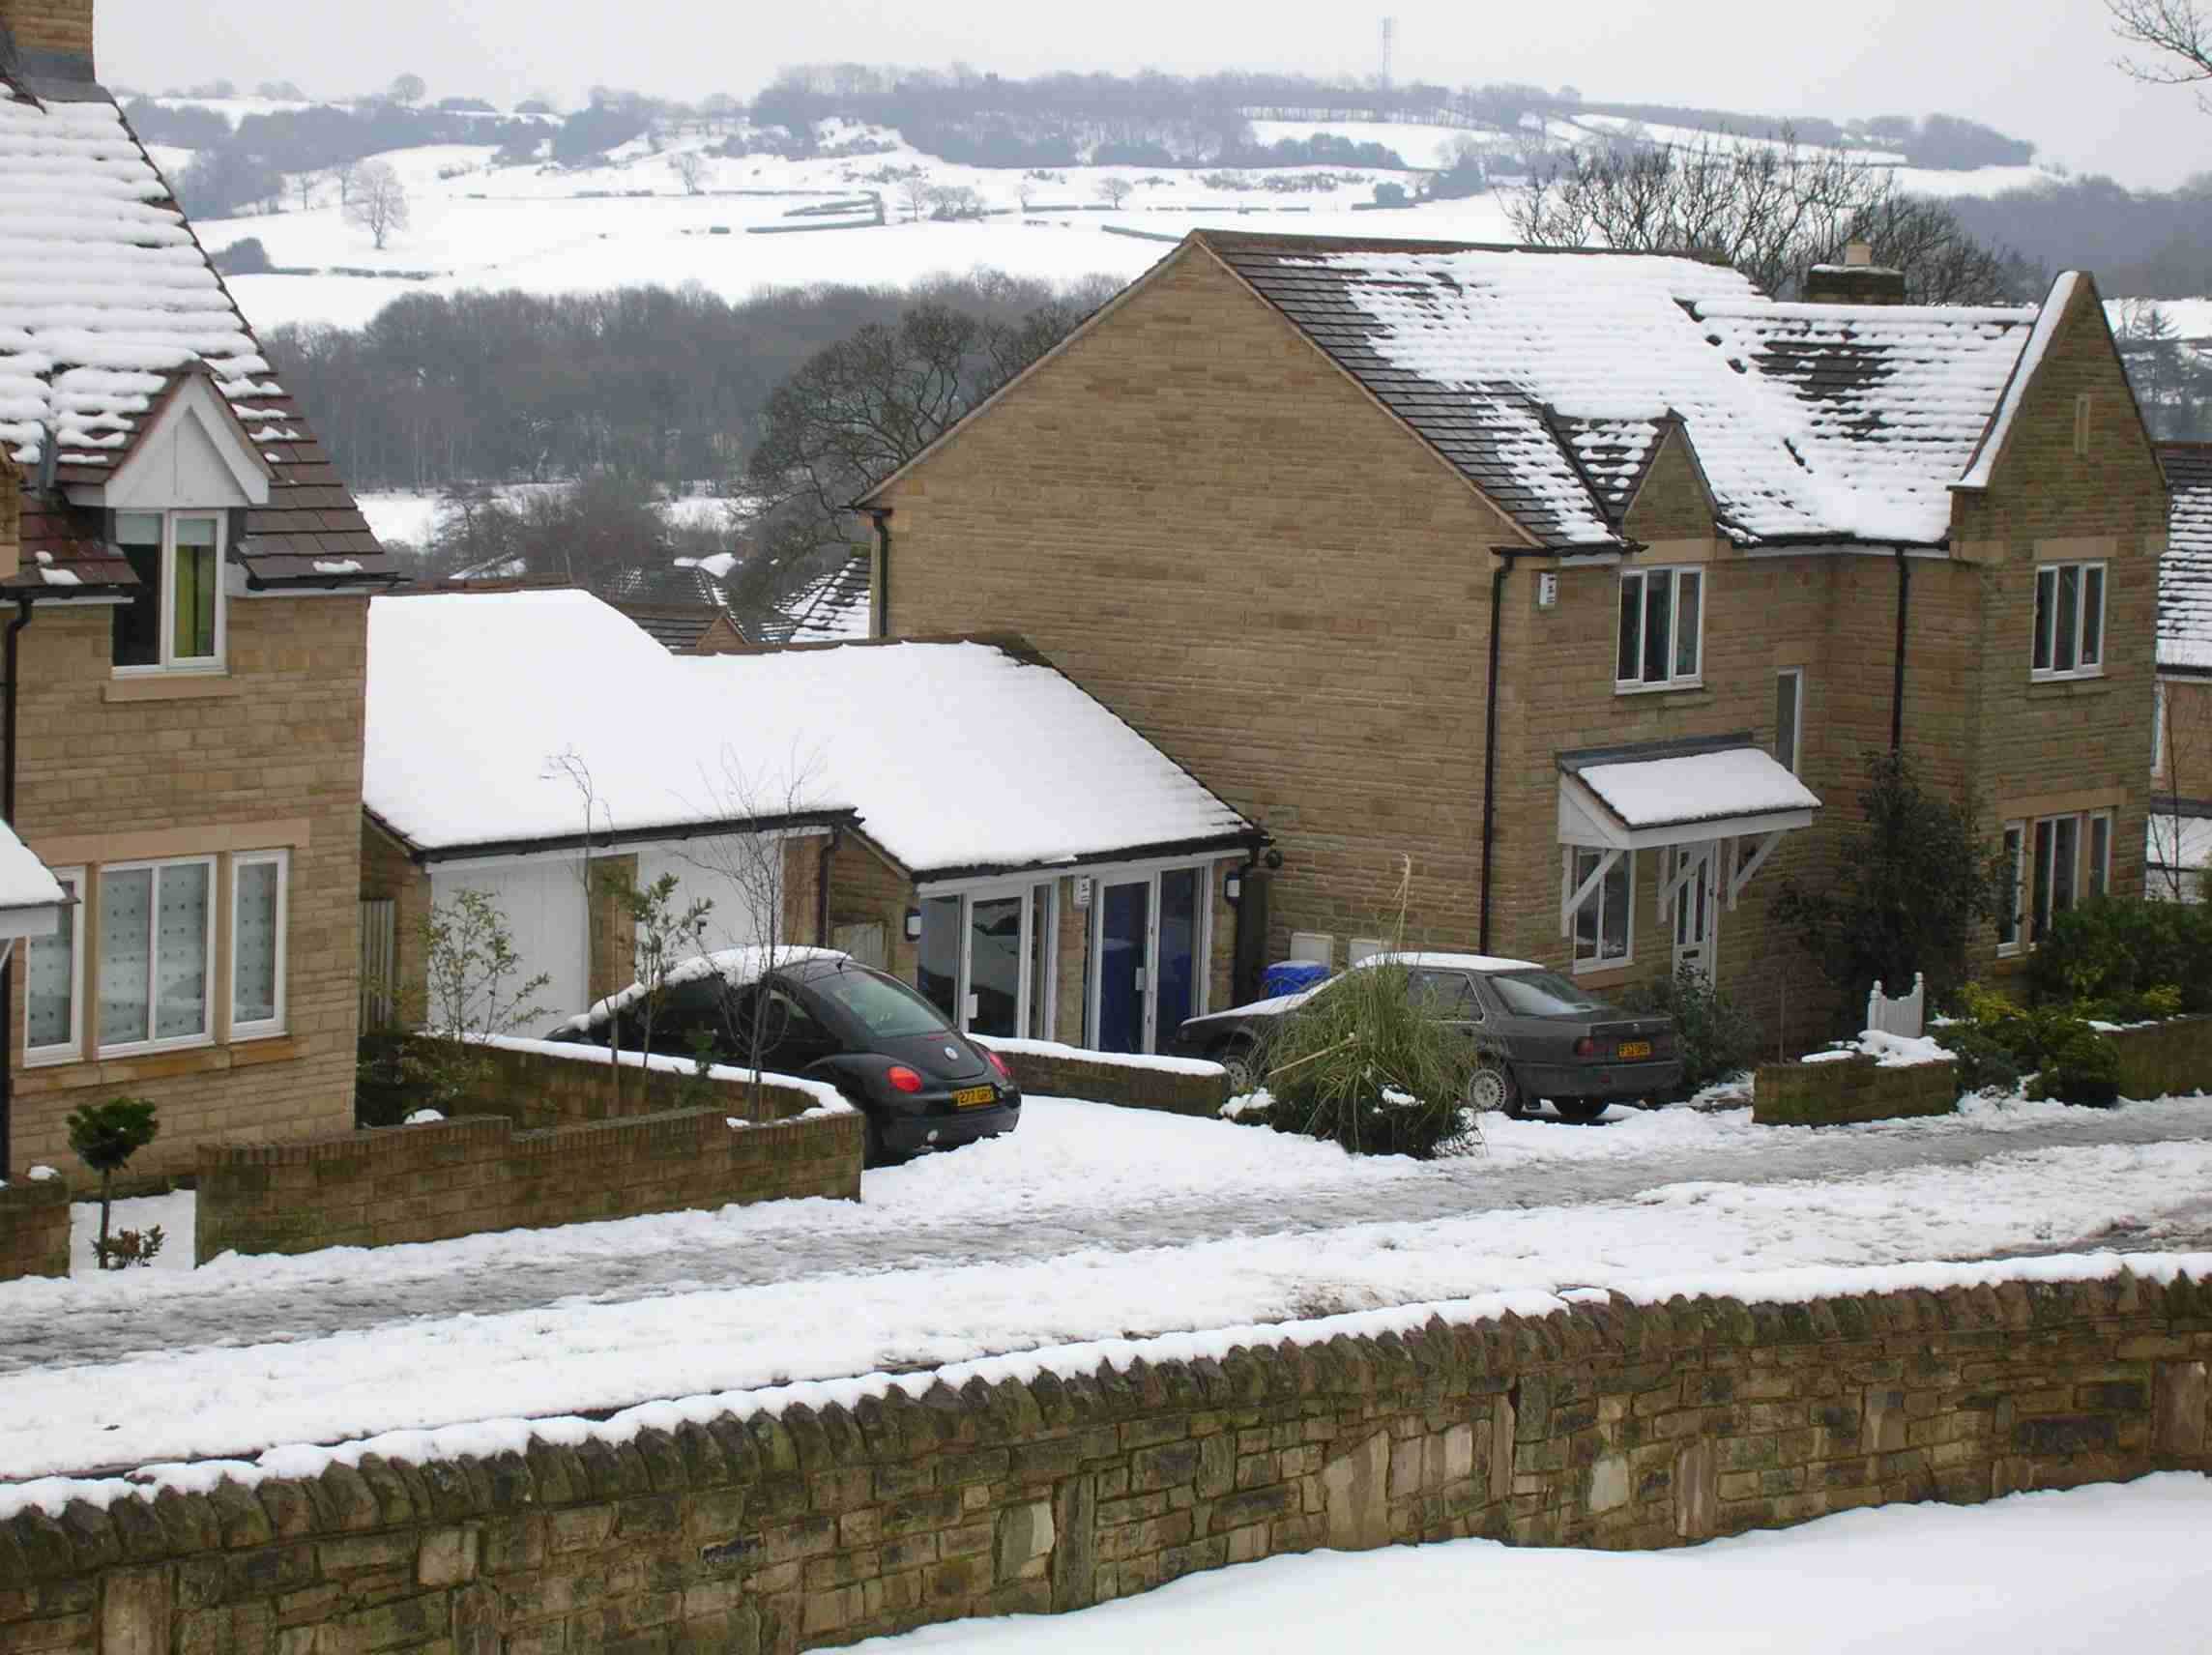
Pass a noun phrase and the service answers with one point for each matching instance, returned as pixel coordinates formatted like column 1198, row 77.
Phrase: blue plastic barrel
column 1291, row 976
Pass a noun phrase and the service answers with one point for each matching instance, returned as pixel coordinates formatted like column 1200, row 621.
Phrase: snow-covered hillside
column 546, row 229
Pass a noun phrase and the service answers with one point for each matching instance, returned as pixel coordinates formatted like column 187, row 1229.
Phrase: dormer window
column 176, row 619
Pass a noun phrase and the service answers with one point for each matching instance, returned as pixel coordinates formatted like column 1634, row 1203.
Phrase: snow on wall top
column 25, row 882
column 1544, row 376
column 952, row 754
column 1697, row 787
column 2185, row 572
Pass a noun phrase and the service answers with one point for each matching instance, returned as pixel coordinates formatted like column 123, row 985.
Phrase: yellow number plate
column 1632, row 1049
column 974, row 1097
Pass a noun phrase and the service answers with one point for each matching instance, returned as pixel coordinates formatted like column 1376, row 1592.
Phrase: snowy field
column 1061, row 1235
column 411, row 518
column 2106, row 1568
column 474, row 225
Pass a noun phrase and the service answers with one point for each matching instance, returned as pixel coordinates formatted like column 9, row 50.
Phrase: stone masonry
column 478, row 1174
column 789, row 1523
column 1855, row 1088
column 34, row 1228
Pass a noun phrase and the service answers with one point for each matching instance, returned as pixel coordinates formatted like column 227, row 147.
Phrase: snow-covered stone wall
column 822, row 1514
column 1850, row 1087
column 34, row 1228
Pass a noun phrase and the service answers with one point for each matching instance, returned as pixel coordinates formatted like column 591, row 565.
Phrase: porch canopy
column 32, row 903
column 1690, row 792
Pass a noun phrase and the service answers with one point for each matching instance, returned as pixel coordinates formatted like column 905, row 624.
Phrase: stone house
column 954, row 811
column 188, row 581
column 2180, row 844
column 1584, row 580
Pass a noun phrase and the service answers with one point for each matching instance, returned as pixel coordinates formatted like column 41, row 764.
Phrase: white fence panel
column 1907, row 1015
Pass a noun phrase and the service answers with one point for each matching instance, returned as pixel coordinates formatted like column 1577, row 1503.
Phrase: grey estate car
column 1551, row 1039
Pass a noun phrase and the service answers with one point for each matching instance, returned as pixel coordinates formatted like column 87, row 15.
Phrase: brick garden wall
column 480, row 1174
column 539, row 1088
column 34, row 1229
column 1856, row 1088
column 2162, row 1059
column 783, row 1528
column 1099, row 1078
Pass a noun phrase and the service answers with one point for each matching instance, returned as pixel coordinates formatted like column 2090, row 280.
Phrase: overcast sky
column 2039, row 70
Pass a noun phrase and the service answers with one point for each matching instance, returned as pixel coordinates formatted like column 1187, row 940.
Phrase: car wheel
column 1238, row 1059
column 1580, row 1109
column 1493, row 1087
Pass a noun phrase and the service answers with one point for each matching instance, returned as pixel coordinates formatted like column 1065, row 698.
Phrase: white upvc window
column 2014, row 853
column 1605, row 924
column 2070, row 861
column 155, row 964
column 1789, row 717
column 53, row 982
column 1661, row 640
column 258, row 902
column 176, row 622
column 2069, row 621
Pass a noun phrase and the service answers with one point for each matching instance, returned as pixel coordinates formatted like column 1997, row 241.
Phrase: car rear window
column 1542, row 994
column 881, row 1005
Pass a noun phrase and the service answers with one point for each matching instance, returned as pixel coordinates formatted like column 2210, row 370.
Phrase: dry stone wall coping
column 778, row 1521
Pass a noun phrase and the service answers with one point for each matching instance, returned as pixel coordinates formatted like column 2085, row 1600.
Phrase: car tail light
column 1000, row 1063
column 1586, row 1047
column 903, row 1078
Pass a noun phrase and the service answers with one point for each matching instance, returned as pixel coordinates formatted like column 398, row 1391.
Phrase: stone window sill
column 2060, row 688
column 169, row 687
column 159, row 1065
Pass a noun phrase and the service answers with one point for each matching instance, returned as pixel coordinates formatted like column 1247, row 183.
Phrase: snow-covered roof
column 951, row 756
column 833, row 609
column 1669, row 784
column 25, row 882
column 2185, row 572
column 1546, row 377
column 106, row 301
column 1423, row 959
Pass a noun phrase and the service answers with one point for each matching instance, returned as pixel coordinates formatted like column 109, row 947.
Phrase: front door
column 1697, row 907
column 1124, row 938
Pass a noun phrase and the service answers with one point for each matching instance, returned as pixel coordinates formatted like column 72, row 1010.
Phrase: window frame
column 261, row 1027
column 206, row 1036
column 165, row 604
column 2090, row 877
column 1673, row 574
column 2017, row 920
column 1796, row 677
column 67, row 1051
column 2043, row 646
column 1577, row 965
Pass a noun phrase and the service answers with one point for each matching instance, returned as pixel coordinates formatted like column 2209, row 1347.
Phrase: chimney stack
column 53, row 38
column 1857, row 280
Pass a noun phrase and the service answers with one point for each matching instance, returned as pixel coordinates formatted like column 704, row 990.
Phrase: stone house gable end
column 1671, row 501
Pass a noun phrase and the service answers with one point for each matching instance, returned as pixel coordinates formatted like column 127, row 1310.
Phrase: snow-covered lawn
column 1009, row 1247
column 2108, row 1567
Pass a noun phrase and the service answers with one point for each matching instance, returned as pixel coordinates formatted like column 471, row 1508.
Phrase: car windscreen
column 882, row 1006
column 1541, row 993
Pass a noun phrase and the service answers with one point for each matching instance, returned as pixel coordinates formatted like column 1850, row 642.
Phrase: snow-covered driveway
column 1091, row 1223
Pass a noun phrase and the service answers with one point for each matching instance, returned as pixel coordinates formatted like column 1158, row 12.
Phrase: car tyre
column 1582, row 1110
column 1238, row 1058
column 1493, row 1087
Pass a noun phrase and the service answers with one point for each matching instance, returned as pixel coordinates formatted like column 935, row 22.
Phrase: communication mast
column 1389, row 37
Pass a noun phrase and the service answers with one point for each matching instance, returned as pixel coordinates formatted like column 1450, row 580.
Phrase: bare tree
column 755, row 867
column 955, row 201
column 1114, row 190
column 406, row 90
column 1769, row 208
column 2179, row 35
column 1025, row 193
column 379, row 203
column 345, row 174
column 915, row 188
column 306, row 182
column 690, row 169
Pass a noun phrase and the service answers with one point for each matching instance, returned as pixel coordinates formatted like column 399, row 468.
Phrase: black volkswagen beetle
column 1547, row 1038
column 918, row 1083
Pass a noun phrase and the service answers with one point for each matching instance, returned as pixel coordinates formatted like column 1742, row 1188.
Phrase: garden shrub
column 1367, row 1063
column 105, row 1136
column 2072, row 1061
column 1715, row 1035
column 1985, row 1062
column 2114, row 954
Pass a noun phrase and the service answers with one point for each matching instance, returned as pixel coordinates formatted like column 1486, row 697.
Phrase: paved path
column 936, row 1225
